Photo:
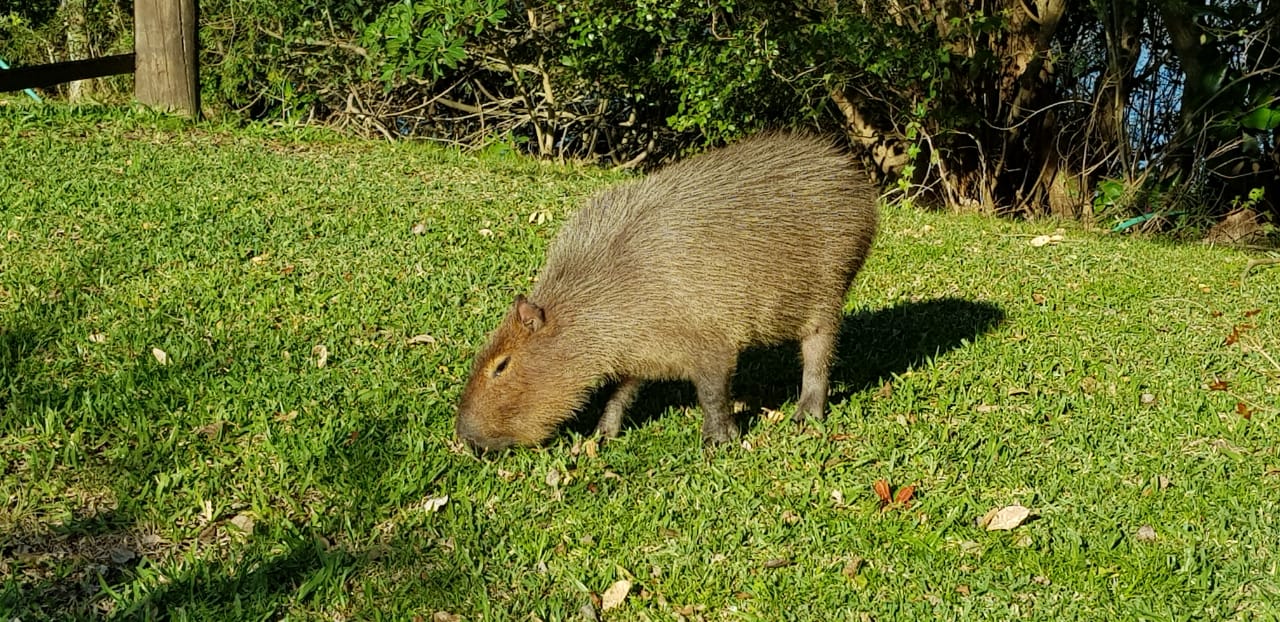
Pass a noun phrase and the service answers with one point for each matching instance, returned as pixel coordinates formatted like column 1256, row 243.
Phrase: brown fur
column 671, row 277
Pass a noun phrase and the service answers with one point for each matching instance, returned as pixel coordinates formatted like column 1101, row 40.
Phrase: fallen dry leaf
column 588, row 612
column 160, row 355
column 1243, row 410
column 444, row 616
column 881, row 487
column 486, row 232
column 434, row 504
column 418, row 340
column 1006, row 518
column 591, row 447
column 852, row 568
column 97, row 338
column 778, row 562
column 1042, row 240
column 1146, row 533
column 1037, row 298
column 963, row 590
column 1236, row 331
column 885, row 391
column 553, row 477
column 322, row 355
column 1147, row 398
column 904, row 495
column 1218, row 385
column 243, row 522
column 615, row 595
column 120, row 555
column 418, row 229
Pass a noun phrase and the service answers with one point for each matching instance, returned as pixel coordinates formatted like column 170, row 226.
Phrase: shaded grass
column 1076, row 379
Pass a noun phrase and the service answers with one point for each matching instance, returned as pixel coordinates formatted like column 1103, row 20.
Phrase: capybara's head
column 523, row 383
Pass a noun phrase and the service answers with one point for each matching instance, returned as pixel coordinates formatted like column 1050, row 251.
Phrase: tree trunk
column 74, row 14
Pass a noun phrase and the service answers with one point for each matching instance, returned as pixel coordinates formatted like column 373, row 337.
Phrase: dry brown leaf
column 418, row 229
column 1243, row 410
column 1037, row 298
column 778, row 562
column 160, row 355
column 1218, row 385
column 1146, row 533
column 433, row 504
column 1147, row 398
column 904, row 495
column 962, row 590
column 615, row 595
column 322, row 355
column 211, row 431
column 553, row 477
column 885, row 391
column 591, row 447
column 1252, row 312
column 243, row 522
column 852, row 568
column 418, row 340
column 97, row 338
column 444, row 616
column 1007, row 518
column 881, row 487
column 486, row 232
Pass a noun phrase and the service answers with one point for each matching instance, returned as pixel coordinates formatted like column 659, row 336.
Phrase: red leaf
column 1244, row 410
column 904, row 495
column 882, row 490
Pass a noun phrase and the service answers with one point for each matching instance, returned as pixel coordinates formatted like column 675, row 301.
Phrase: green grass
column 981, row 369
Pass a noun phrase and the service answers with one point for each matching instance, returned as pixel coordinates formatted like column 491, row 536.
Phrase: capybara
column 671, row 277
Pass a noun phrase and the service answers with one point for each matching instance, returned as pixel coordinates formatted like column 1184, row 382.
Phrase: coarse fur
column 672, row 277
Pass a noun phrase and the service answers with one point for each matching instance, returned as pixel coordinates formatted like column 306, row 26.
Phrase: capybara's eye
column 501, row 366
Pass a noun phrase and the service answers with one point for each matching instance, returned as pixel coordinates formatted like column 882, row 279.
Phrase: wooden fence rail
column 42, row 76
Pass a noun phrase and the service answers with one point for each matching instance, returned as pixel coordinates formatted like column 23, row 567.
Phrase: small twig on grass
column 1254, row 263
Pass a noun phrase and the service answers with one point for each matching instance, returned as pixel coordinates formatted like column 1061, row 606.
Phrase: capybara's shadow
column 874, row 345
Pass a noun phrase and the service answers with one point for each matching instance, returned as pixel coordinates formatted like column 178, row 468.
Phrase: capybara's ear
column 531, row 315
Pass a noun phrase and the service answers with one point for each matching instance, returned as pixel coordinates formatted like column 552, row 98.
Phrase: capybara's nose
column 472, row 434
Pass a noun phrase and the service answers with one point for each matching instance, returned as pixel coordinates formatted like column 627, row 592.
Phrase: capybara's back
column 671, row 277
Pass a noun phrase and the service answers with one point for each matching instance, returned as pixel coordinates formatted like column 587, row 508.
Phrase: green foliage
column 425, row 38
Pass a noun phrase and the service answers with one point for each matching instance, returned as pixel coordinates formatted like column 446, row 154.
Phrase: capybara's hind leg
column 815, row 350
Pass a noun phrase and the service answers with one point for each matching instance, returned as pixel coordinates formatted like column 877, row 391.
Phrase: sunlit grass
column 1092, row 380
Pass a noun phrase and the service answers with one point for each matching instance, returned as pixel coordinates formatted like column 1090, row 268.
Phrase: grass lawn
column 229, row 360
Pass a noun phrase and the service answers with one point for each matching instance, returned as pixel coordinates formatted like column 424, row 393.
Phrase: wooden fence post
column 165, row 42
